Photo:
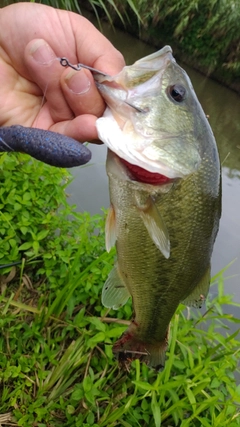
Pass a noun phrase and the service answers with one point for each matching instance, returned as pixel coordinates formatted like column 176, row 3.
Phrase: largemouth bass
column 164, row 179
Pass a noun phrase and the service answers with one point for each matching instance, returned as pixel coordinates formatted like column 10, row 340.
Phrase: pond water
column 89, row 190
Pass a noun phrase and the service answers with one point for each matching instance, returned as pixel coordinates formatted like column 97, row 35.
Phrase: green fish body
column 164, row 180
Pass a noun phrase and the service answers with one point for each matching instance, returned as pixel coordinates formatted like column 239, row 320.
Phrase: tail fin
column 129, row 347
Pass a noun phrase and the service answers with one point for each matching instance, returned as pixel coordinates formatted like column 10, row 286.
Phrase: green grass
column 56, row 361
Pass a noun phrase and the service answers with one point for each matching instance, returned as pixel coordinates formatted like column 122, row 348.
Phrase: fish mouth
column 122, row 92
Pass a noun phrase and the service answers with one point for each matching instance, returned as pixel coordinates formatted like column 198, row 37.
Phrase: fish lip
column 115, row 92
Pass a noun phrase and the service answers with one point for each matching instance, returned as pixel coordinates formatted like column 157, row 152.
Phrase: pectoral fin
column 114, row 294
column 110, row 229
column 200, row 292
column 155, row 225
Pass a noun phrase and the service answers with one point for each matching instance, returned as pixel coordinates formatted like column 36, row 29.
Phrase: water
column 90, row 188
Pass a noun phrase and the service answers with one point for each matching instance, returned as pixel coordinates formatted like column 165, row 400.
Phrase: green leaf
column 25, row 246
column 42, row 234
column 87, row 384
column 99, row 337
column 77, row 394
column 191, row 396
column 24, row 230
column 12, row 242
column 90, row 418
column 143, row 385
column 99, row 325
column 17, row 206
column 36, row 246
column 156, row 410
column 215, row 383
column 27, row 196
column 144, row 405
column 70, row 409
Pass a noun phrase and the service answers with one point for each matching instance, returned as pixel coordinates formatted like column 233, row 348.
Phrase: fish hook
column 65, row 63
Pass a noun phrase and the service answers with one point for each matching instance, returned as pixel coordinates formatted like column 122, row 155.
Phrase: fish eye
column 177, row 92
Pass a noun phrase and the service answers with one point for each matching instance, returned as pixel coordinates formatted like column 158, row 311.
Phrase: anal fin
column 114, row 294
column 199, row 294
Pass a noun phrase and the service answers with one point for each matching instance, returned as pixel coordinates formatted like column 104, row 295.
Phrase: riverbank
column 203, row 37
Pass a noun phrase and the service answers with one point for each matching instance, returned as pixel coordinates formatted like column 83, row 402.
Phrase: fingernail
column 42, row 52
column 78, row 82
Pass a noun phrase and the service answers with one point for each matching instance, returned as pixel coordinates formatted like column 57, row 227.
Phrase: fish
column 49, row 147
column 165, row 200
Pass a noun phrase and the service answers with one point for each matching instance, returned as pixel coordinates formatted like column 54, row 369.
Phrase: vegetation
column 56, row 361
column 206, row 33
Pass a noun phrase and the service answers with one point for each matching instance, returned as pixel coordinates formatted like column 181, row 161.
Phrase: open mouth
column 142, row 175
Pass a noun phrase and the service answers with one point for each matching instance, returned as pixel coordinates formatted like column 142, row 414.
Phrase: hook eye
column 65, row 63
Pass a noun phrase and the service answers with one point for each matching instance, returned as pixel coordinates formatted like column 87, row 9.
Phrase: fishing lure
column 49, row 147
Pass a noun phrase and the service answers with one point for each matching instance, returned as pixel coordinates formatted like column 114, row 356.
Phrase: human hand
column 35, row 91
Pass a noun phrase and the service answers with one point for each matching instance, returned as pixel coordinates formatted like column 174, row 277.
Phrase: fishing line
column 226, row 157
column 44, row 99
column 6, row 145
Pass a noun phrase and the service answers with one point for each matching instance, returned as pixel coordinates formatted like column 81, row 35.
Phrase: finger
column 43, row 66
column 82, row 128
column 81, row 93
column 94, row 49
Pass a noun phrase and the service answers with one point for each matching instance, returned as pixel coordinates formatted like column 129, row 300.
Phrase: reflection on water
column 90, row 189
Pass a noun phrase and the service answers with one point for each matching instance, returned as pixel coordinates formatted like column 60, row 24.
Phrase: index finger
column 94, row 49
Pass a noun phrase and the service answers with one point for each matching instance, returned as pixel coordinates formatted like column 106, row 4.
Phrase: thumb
column 45, row 70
